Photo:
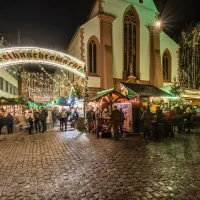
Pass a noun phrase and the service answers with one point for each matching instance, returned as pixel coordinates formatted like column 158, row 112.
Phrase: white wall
column 6, row 76
column 91, row 28
column 94, row 82
column 147, row 12
column 146, row 17
column 168, row 43
column 74, row 48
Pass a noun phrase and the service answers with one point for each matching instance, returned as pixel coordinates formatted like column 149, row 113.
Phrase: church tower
column 121, row 39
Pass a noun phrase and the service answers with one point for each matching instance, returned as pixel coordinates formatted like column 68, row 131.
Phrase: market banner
column 21, row 55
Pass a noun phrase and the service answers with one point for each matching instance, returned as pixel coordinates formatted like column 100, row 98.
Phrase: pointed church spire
column 101, row 6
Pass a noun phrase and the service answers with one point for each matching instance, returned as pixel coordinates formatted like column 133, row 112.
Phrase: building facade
column 8, row 81
column 121, row 39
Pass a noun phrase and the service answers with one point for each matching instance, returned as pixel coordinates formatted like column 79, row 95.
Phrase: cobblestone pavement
column 72, row 165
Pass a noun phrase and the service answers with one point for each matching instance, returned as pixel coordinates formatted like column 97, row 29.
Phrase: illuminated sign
column 22, row 55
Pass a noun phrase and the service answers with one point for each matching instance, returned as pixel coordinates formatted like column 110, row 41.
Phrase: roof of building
column 103, row 93
column 146, row 90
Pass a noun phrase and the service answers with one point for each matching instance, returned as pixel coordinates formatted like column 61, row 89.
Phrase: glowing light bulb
column 158, row 23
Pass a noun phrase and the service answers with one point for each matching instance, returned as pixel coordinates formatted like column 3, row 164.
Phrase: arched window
column 92, row 57
column 131, row 42
column 166, row 64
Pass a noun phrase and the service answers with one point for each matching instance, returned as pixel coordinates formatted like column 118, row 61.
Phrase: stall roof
column 167, row 89
column 147, row 90
column 101, row 94
column 104, row 93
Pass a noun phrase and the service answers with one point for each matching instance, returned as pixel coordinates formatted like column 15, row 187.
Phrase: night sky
column 52, row 24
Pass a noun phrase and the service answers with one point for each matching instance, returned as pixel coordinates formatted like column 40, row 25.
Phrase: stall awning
column 111, row 92
column 167, row 89
column 101, row 94
column 190, row 93
column 146, row 90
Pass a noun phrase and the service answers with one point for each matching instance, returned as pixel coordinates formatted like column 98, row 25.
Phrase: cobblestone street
column 71, row 165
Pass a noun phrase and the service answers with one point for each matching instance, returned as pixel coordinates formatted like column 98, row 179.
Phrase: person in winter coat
column 90, row 117
column 37, row 121
column 169, row 121
column 63, row 120
column 42, row 120
column 147, row 118
column 187, row 119
column 2, row 122
column 30, row 120
column 122, row 118
column 159, row 113
column 98, row 120
column 54, row 116
column 75, row 118
column 116, row 121
column 45, row 113
column 9, row 122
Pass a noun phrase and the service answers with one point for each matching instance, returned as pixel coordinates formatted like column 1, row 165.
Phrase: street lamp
column 158, row 23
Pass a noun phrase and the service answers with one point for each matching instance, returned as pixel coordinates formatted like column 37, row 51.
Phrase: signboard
column 3, row 100
column 21, row 55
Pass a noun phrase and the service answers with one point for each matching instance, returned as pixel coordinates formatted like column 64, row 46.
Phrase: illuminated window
column 130, row 44
column 166, row 64
column 92, row 57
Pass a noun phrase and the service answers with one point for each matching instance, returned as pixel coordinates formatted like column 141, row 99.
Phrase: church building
column 123, row 38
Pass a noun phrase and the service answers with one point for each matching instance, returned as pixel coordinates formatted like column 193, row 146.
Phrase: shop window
column 130, row 43
column 92, row 57
column 7, row 86
column 166, row 64
column 14, row 90
column 1, row 83
column 11, row 89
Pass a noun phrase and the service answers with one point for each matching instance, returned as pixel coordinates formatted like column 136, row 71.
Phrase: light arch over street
column 36, row 55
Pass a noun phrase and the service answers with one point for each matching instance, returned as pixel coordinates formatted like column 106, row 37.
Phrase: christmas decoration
column 22, row 55
column 190, row 57
column 175, row 88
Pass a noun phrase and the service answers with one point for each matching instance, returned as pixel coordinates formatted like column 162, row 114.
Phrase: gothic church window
column 166, row 64
column 130, row 44
column 92, row 57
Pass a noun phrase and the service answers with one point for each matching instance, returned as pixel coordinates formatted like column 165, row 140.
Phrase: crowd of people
column 165, row 123
column 96, row 120
column 8, row 121
column 38, row 119
column 161, row 124
column 71, row 116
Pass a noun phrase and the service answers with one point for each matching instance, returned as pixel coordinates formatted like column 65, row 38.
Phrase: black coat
column 9, row 119
column 2, row 120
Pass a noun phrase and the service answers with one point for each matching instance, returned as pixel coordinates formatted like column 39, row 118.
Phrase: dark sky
column 51, row 24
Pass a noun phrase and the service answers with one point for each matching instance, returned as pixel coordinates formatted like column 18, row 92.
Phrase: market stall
column 191, row 96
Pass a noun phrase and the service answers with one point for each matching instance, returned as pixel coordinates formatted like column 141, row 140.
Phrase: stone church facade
column 121, row 39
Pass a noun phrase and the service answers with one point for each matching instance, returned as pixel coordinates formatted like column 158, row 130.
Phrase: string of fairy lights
column 59, row 81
